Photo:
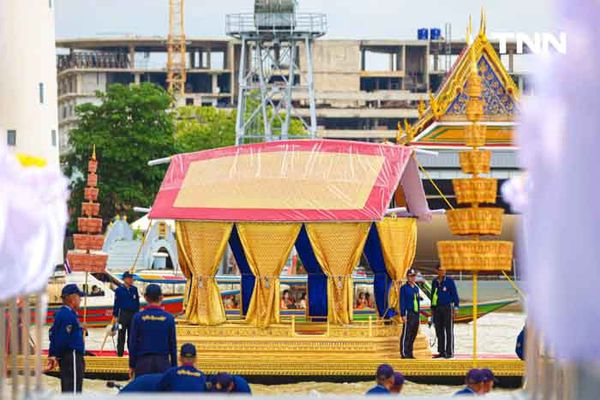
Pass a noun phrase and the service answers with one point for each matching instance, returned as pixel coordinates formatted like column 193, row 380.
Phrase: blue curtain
column 317, row 280
column 248, row 278
column 382, row 282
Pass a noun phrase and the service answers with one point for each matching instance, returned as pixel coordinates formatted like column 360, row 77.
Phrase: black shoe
column 441, row 355
column 448, row 356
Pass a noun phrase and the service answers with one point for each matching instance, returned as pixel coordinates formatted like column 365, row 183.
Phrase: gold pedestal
column 307, row 348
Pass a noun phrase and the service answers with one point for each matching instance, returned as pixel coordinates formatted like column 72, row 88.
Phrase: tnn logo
column 538, row 43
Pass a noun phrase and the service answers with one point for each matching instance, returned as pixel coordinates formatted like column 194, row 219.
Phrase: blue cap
column 224, row 380
column 71, row 288
column 188, row 350
column 127, row 274
column 474, row 376
column 411, row 272
column 153, row 290
column 488, row 375
column 398, row 379
column 385, row 371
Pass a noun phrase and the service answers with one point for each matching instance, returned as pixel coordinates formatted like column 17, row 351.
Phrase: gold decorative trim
column 472, row 255
column 475, row 190
column 303, row 366
column 475, row 162
column 475, row 221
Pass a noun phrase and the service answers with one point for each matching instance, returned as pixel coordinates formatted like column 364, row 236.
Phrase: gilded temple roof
column 441, row 121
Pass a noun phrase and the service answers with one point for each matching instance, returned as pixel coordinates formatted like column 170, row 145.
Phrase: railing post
column 293, row 325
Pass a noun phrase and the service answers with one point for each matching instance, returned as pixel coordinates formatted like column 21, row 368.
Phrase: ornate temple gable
column 500, row 93
column 500, row 105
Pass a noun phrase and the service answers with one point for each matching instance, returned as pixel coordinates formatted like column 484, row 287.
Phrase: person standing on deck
column 444, row 304
column 409, row 312
column 66, row 342
column 127, row 303
column 152, row 339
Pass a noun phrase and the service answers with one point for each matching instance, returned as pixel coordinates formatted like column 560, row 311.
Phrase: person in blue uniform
column 410, row 305
column 127, row 303
column 444, row 304
column 398, row 383
column 152, row 339
column 489, row 380
column 520, row 348
column 385, row 380
column 227, row 383
column 185, row 378
column 473, row 384
column 66, row 341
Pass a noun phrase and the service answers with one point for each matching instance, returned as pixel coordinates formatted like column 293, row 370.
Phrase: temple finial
column 421, row 108
column 482, row 23
column 94, row 152
column 409, row 131
column 469, row 30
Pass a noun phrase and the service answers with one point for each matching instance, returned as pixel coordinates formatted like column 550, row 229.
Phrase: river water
column 497, row 333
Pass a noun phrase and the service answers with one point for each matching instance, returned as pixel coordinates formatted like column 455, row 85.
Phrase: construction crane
column 176, row 58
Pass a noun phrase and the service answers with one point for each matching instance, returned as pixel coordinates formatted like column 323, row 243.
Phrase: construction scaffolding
column 270, row 71
column 176, row 49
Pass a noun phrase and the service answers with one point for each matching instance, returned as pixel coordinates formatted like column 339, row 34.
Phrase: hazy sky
column 346, row 18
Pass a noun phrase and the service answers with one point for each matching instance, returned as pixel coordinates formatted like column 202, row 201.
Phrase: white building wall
column 28, row 59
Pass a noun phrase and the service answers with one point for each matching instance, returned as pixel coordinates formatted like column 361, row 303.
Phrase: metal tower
column 176, row 55
column 270, row 72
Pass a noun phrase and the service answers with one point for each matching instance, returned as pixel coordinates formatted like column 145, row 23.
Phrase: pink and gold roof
column 297, row 180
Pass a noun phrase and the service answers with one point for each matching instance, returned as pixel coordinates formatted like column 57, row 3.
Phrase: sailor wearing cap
column 127, row 303
column 473, row 384
column 152, row 341
column 488, row 380
column 185, row 378
column 398, row 383
column 410, row 303
column 66, row 341
column 227, row 383
column 385, row 380
column 444, row 303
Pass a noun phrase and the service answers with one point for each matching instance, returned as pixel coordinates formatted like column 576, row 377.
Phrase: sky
column 352, row 19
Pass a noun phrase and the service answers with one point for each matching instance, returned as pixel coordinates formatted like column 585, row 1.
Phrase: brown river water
column 497, row 333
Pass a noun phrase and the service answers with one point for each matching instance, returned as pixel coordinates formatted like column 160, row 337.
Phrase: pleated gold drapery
column 267, row 247
column 398, row 237
column 201, row 246
column 186, row 272
column 337, row 247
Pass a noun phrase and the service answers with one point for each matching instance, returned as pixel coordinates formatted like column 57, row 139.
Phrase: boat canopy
column 326, row 198
column 290, row 181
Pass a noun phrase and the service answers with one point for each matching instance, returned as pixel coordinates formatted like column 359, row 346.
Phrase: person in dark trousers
column 66, row 342
column 444, row 304
column 227, row 383
column 185, row 378
column 410, row 303
column 385, row 380
column 473, row 384
column 520, row 348
column 152, row 339
column 127, row 303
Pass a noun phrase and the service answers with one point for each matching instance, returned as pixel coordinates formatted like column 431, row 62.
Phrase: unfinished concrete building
column 363, row 87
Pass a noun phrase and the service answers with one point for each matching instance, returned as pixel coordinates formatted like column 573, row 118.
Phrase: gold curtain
column 201, row 246
column 186, row 272
column 337, row 247
column 267, row 247
column 398, row 238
